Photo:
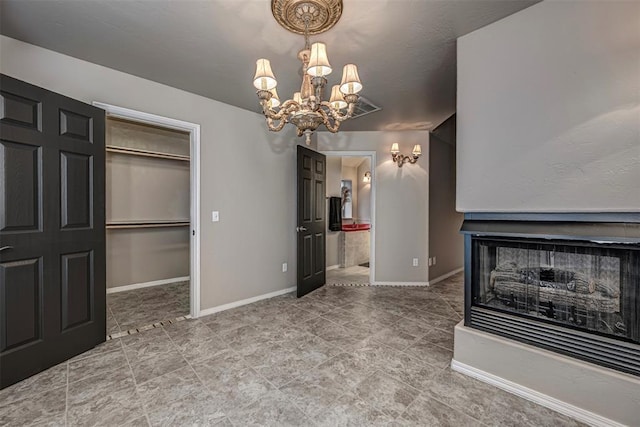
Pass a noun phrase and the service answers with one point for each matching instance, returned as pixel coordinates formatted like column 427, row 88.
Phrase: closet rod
column 147, row 224
column 146, row 153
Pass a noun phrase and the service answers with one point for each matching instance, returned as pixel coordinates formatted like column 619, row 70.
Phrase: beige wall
column 446, row 243
column 401, row 228
column 145, row 255
column 334, row 171
column 364, row 192
column 592, row 390
column 549, row 110
column 241, row 257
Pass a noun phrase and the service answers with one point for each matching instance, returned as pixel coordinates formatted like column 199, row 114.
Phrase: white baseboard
column 240, row 303
column 147, row 284
column 573, row 411
column 400, row 284
column 333, row 267
column 446, row 276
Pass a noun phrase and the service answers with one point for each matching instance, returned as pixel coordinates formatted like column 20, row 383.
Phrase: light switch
column 215, row 216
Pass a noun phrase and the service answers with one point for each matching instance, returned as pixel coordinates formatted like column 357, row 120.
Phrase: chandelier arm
column 275, row 128
column 336, row 114
column 333, row 128
column 286, row 108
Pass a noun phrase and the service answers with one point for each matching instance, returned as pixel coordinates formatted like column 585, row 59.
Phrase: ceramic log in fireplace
column 566, row 283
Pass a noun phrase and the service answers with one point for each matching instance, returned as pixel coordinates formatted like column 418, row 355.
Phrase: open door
column 312, row 212
column 52, row 236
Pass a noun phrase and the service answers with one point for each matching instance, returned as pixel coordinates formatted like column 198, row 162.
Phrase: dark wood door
column 52, row 235
column 312, row 211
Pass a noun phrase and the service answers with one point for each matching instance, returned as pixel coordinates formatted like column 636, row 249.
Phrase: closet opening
column 152, row 232
column 350, row 241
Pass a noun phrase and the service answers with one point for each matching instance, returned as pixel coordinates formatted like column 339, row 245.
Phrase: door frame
column 372, row 243
column 194, row 169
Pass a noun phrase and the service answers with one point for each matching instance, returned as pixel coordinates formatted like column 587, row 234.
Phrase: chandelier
column 308, row 109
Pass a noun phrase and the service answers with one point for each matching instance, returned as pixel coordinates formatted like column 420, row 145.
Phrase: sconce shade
column 297, row 98
column 366, row 177
column 350, row 84
column 274, row 102
column 318, row 62
column 337, row 100
column 264, row 78
column 400, row 160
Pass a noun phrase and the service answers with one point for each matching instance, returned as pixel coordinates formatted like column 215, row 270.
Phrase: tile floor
column 142, row 307
column 341, row 276
column 341, row 356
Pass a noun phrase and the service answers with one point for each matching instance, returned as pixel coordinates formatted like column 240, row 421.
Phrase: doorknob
column 301, row 228
column 5, row 248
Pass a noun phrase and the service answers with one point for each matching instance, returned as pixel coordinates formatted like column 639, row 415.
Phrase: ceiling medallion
column 319, row 15
column 307, row 110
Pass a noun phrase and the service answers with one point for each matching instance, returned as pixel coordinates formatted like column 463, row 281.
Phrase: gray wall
column 549, row 110
column 241, row 258
column 334, row 171
column 401, row 215
column 145, row 188
column 364, row 192
column 445, row 241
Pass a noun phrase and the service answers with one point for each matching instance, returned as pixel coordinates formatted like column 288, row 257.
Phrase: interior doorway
column 350, row 242
column 152, row 226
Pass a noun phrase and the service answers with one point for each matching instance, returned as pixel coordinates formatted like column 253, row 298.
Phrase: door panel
column 52, row 272
column 75, row 190
column 307, row 253
column 307, row 203
column 319, row 254
column 19, row 168
column 311, row 220
column 77, row 283
column 78, row 126
column 20, row 296
column 21, row 111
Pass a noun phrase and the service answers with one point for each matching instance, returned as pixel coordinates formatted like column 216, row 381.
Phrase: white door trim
column 372, row 156
column 194, row 134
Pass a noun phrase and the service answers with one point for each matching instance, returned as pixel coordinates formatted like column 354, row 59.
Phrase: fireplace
column 566, row 283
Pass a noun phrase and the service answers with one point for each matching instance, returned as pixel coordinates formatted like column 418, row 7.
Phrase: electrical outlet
column 415, row 262
column 215, row 216
column 430, row 262
column 284, row 267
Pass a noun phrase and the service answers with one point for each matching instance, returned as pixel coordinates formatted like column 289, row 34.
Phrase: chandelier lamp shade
column 308, row 108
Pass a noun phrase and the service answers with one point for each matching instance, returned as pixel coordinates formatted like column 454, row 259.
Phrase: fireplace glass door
column 581, row 285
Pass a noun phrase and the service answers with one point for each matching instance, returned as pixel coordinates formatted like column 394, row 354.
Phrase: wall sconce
column 400, row 159
column 366, row 177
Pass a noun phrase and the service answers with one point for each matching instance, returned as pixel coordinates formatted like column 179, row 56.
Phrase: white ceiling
column 405, row 49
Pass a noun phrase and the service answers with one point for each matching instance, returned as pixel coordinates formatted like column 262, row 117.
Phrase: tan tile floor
column 341, row 356
column 142, row 307
column 356, row 274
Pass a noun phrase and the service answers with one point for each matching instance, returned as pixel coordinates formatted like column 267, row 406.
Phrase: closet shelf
column 120, row 225
column 146, row 153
